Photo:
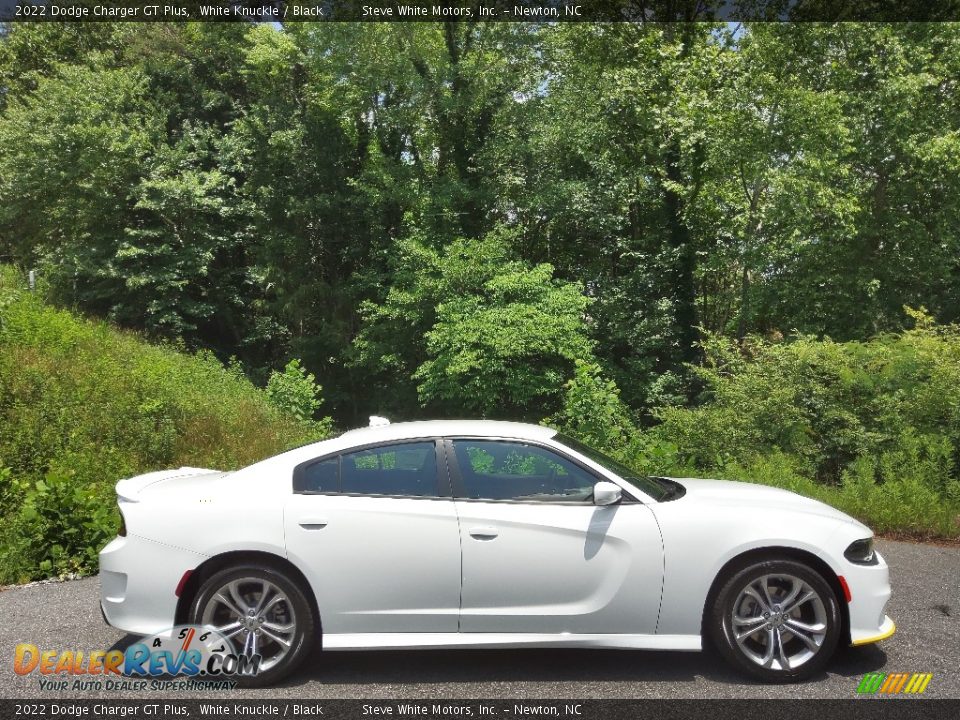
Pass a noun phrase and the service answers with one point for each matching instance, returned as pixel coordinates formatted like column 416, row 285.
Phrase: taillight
column 122, row 531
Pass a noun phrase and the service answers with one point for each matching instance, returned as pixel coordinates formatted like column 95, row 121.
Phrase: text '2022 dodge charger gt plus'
column 482, row 534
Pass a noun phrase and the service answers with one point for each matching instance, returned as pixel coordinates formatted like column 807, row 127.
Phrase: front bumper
column 869, row 593
column 138, row 580
column 887, row 628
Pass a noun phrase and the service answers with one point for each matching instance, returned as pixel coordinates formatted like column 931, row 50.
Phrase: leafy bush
column 294, row 391
column 593, row 412
column 872, row 427
column 59, row 528
column 83, row 405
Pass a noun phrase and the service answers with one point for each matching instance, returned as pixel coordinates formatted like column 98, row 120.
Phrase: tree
column 75, row 149
column 479, row 332
column 613, row 166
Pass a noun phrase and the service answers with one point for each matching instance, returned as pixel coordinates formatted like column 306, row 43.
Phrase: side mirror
column 606, row 493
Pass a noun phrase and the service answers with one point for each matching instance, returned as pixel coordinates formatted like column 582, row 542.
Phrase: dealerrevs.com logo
column 203, row 657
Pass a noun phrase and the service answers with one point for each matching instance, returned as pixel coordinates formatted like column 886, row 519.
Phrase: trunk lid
column 185, row 478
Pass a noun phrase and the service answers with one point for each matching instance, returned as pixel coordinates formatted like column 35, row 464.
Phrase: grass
column 83, row 405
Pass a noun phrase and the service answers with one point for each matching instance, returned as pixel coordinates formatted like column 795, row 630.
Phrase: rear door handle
column 312, row 523
column 484, row 532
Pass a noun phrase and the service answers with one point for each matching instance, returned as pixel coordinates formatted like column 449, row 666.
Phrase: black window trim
column 459, row 490
column 444, row 490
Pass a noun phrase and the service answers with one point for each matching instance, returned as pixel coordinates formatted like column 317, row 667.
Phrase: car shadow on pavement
column 389, row 667
column 124, row 642
column 539, row 665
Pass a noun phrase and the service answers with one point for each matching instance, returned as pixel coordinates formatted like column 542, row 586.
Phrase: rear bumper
column 138, row 580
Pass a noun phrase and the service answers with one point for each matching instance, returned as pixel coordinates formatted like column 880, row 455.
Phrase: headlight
column 861, row 552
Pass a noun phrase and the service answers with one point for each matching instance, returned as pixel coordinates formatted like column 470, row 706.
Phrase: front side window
column 505, row 470
column 407, row 469
column 657, row 488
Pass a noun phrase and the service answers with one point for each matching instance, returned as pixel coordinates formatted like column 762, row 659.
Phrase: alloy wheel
column 256, row 615
column 779, row 621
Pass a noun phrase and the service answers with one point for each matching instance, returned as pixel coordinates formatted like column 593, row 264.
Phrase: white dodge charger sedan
column 481, row 534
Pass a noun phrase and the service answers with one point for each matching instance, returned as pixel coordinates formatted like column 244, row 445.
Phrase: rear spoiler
column 130, row 488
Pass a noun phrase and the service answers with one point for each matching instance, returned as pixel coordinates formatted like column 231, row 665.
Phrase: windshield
column 654, row 487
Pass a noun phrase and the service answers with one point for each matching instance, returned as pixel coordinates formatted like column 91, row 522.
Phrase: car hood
column 728, row 493
column 185, row 479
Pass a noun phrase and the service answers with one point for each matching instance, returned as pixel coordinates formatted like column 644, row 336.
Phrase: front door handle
column 484, row 532
column 312, row 523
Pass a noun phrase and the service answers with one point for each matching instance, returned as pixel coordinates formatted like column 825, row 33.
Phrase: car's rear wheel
column 777, row 620
column 262, row 612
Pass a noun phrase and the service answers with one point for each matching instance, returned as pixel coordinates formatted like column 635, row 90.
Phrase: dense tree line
column 443, row 219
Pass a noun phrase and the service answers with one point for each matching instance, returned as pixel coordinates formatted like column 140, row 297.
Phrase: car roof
column 446, row 428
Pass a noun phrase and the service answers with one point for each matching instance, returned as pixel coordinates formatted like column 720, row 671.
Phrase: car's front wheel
column 263, row 612
column 778, row 620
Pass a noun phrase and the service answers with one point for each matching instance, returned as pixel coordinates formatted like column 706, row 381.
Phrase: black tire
column 294, row 607
column 774, row 628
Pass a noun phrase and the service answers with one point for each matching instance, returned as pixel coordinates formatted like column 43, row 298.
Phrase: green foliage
column 252, row 191
column 76, row 145
column 911, row 488
column 58, row 528
column 593, row 411
column 874, row 427
column 294, row 391
column 446, row 219
column 498, row 337
column 187, row 224
column 82, row 405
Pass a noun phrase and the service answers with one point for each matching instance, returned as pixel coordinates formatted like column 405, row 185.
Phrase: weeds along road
column 925, row 605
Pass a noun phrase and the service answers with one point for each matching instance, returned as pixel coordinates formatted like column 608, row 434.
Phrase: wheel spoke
column 767, row 659
column 744, row 635
column 796, row 586
column 275, row 638
column 225, row 628
column 751, row 592
column 226, row 631
column 784, row 661
column 765, row 586
column 807, row 597
column 273, row 601
column 228, row 603
column 815, row 629
column 250, row 644
column 807, row 633
column 234, row 590
column 753, row 625
column 265, row 595
column 232, row 633
column 276, row 627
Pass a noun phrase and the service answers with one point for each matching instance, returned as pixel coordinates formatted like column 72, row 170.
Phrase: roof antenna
column 377, row 421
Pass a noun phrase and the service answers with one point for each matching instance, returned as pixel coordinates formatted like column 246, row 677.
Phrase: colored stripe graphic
column 871, row 682
column 923, row 679
column 894, row 683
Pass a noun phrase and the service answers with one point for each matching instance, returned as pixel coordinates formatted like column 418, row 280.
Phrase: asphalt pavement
column 925, row 606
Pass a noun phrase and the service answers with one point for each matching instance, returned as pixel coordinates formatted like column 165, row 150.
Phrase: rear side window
column 504, row 470
column 408, row 469
column 321, row 477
